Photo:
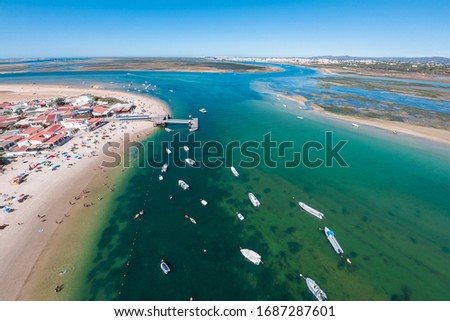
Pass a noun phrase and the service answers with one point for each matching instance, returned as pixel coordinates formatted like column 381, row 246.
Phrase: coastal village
column 28, row 127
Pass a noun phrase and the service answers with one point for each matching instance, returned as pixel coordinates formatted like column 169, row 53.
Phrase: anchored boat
column 234, row 171
column 252, row 256
column 315, row 289
column 332, row 239
column 253, row 199
column 240, row 216
column 164, row 267
column 311, row 210
column 183, row 185
column 190, row 161
column 191, row 219
column 164, row 168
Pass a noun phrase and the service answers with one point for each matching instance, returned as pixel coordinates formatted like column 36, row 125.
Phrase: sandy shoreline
column 27, row 235
column 433, row 134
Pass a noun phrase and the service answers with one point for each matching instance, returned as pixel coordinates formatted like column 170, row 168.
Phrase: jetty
column 156, row 120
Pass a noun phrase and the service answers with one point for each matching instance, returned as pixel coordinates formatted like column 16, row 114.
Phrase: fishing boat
column 164, row 267
column 315, row 289
column 183, row 185
column 240, row 216
column 203, row 110
column 186, row 148
column 332, row 239
column 253, row 199
column 191, row 219
column 168, row 151
column 234, row 171
column 203, row 202
column 355, row 125
column 169, row 130
column 160, row 177
column 164, row 168
column 311, row 210
column 252, row 256
column 190, row 161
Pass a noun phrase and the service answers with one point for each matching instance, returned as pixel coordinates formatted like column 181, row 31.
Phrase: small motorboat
column 240, row 216
column 203, row 110
column 315, row 289
column 254, row 200
column 169, row 130
column 252, row 256
column 186, row 148
column 203, row 202
column 139, row 214
column 168, row 151
column 164, row 267
column 191, row 219
column 164, row 168
column 190, row 161
column 355, row 125
column 183, row 184
column 160, row 177
column 234, row 171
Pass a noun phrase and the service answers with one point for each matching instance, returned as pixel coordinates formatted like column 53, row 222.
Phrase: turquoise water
column 389, row 208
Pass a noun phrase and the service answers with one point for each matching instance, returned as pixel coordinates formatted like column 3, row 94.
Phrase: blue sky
column 67, row 28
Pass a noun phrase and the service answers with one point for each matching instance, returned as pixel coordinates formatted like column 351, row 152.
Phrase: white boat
column 190, row 161
column 203, row 202
column 203, row 110
column 160, row 177
column 311, row 210
column 168, row 151
column 284, row 106
column 299, row 117
column 253, row 199
column 168, row 129
column 234, row 171
column 240, row 216
column 183, row 185
column 164, row 168
column 186, row 148
column 164, row 267
column 191, row 219
column 252, row 256
column 315, row 289
column 355, row 125
column 332, row 239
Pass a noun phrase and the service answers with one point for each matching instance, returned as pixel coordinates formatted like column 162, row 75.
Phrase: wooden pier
column 157, row 120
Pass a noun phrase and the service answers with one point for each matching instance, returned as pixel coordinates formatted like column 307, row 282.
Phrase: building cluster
column 35, row 125
column 330, row 61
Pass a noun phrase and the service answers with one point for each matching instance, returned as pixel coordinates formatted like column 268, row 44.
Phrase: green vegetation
column 109, row 100
column 60, row 101
column 420, row 90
